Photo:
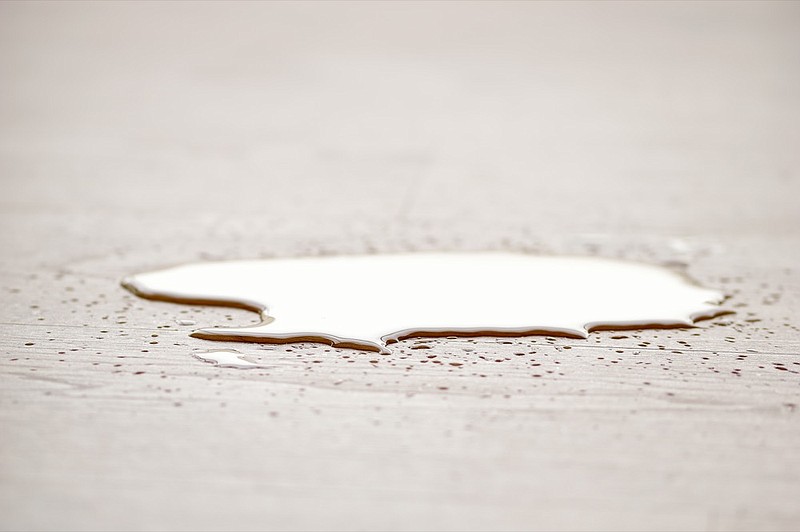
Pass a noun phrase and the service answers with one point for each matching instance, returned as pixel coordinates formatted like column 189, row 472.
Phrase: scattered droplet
column 227, row 358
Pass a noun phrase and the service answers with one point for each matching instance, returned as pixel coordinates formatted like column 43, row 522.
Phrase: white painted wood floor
column 134, row 136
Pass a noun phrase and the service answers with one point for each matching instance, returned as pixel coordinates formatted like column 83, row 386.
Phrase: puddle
column 227, row 358
column 369, row 301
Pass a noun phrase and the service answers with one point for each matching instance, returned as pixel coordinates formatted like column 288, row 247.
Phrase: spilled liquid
column 369, row 301
column 227, row 358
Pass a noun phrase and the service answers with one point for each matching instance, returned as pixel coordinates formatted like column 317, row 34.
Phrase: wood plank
column 136, row 136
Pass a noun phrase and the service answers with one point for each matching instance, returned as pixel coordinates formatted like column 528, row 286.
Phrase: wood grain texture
column 136, row 136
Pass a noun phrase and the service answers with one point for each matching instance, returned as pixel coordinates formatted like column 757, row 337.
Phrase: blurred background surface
column 575, row 117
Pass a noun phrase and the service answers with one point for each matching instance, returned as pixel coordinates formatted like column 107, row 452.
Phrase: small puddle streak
column 369, row 301
column 227, row 358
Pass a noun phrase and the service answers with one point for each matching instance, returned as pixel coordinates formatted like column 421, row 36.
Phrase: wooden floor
column 136, row 136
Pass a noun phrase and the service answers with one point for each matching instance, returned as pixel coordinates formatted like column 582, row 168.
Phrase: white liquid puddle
column 368, row 301
column 227, row 358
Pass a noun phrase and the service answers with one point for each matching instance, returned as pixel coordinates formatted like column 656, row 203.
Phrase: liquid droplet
column 369, row 301
column 227, row 358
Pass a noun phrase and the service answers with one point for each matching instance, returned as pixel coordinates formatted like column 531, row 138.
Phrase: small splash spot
column 227, row 358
